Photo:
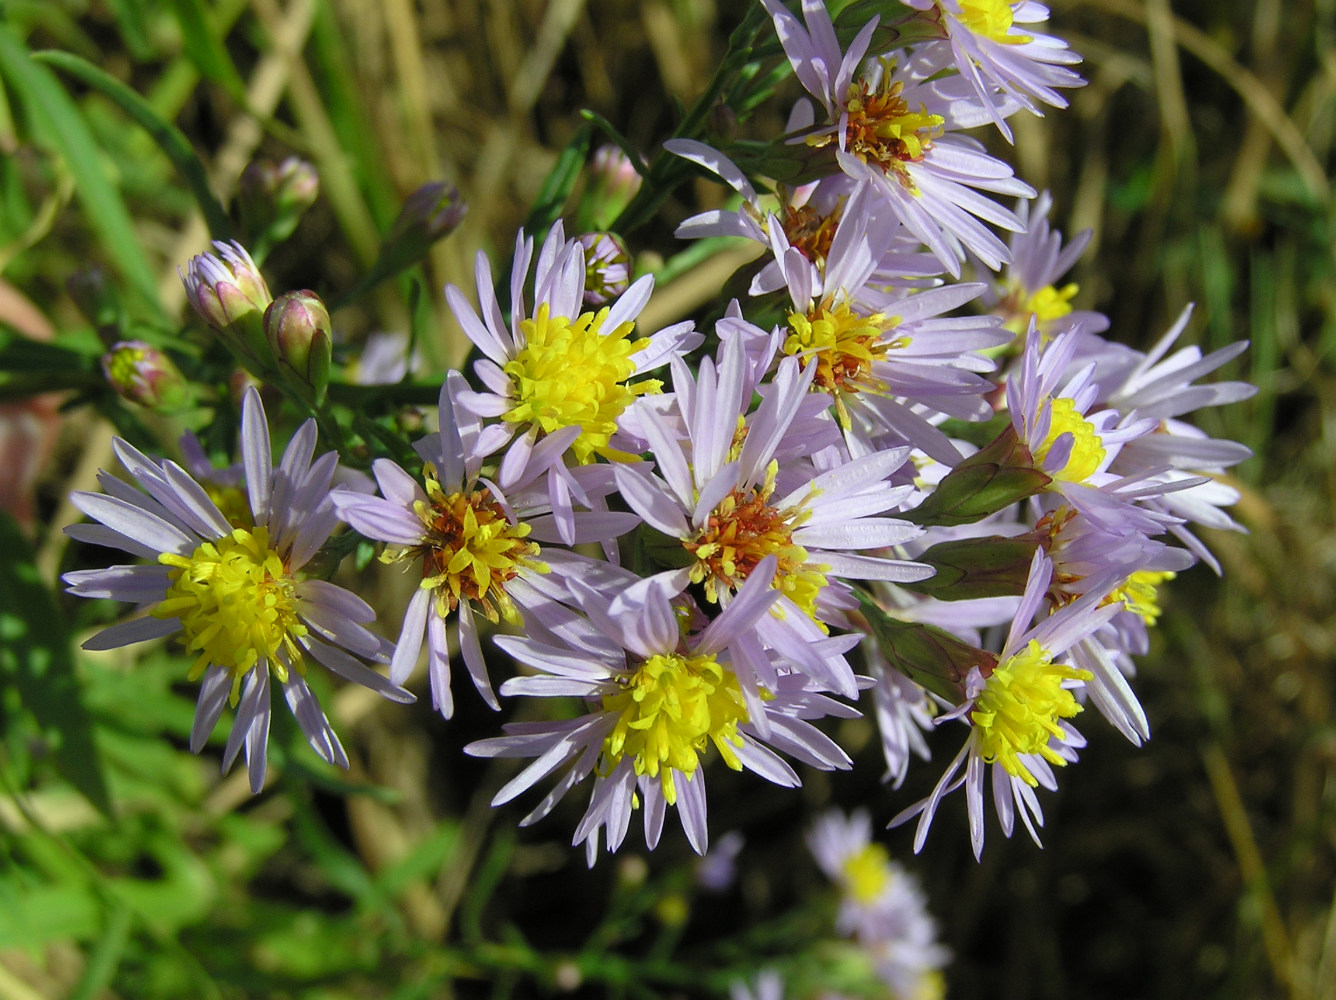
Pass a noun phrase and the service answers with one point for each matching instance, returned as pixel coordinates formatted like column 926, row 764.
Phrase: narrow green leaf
column 37, row 659
column 106, row 956
column 168, row 137
column 205, row 48
column 56, row 119
column 560, row 181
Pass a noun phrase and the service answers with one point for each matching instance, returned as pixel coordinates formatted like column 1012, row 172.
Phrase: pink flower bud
column 297, row 329
column 144, row 375
column 230, row 294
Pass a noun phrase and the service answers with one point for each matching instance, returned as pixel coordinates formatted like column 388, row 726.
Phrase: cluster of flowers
column 891, row 945
column 875, row 477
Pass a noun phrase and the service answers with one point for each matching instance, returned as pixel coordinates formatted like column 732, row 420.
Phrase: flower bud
column 144, row 375
column 297, row 328
column 928, row 655
column 429, row 213
column 990, row 480
column 272, row 196
column 230, row 295
column 968, row 568
column 607, row 267
column 611, row 182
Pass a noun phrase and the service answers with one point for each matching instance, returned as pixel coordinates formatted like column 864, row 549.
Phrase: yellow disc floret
column 670, row 709
column 470, row 551
column 237, row 604
column 866, row 873
column 571, row 373
column 1140, row 594
column 843, row 345
column 1046, row 305
column 1018, row 710
column 990, row 19
column 884, row 130
column 742, row 531
column 1087, row 450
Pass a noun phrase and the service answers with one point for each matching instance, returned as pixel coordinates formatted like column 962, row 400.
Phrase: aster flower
column 657, row 700
column 234, row 591
column 1017, row 707
column 731, row 510
column 1003, row 63
column 559, row 366
column 1028, row 286
column 808, row 217
column 890, row 127
column 478, row 550
column 881, row 905
column 888, row 358
column 1074, row 445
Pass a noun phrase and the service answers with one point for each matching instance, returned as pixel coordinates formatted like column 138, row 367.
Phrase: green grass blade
column 56, row 119
column 204, row 45
column 168, row 137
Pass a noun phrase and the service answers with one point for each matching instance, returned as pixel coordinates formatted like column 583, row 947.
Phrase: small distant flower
column 385, row 359
column 881, row 904
column 561, row 366
column 657, row 702
column 234, row 592
column 475, row 549
column 767, row 985
column 1018, row 712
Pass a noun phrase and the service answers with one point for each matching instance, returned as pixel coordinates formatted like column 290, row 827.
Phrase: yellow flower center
column 1087, row 450
column 990, row 19
column 1140, row 594
column 1018, row 710
column 883, row 129
column 866, row 873
column 125, row 364
column 471, row 551
column 1046, row 305
column 844, row 345
column 742, row 531
column 572, row 374
column 669, row 711
column 232, row 503
column 811, row 233
column 237, row 604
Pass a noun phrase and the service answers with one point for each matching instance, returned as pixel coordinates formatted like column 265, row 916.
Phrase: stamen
column 742, row 531
column 1087, row 450
column 471, row 551
column 237, row 604
column 572, row 374
column 671, row 709
column 1018, row 710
